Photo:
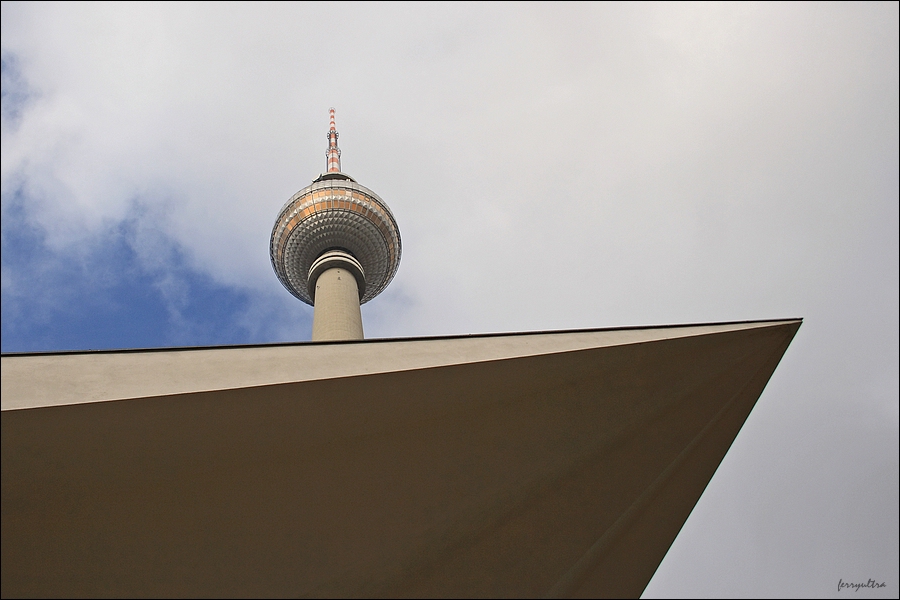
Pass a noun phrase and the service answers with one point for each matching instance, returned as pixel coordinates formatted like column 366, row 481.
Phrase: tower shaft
column 337, row 314
column 337, row 282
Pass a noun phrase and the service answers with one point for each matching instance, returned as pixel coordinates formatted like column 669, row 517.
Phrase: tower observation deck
column 335, row 245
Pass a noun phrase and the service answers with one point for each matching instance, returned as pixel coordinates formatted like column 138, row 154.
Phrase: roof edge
column 398, row 339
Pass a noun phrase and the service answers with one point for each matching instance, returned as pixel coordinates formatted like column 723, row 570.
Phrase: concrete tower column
column 337, row 284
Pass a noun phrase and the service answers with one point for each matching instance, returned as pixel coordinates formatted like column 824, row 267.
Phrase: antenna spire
column 333, row 153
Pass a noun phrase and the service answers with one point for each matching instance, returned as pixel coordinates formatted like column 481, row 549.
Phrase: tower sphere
column 335, row 215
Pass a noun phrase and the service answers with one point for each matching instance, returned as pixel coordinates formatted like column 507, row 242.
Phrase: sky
column 550, row 166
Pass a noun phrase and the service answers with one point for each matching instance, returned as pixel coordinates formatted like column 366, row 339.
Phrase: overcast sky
column 550, row 166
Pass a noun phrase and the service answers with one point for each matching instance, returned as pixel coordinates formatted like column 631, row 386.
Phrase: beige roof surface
column 550, row 464
column 51, row 379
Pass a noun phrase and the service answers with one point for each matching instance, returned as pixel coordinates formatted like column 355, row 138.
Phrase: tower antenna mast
column 333, row 154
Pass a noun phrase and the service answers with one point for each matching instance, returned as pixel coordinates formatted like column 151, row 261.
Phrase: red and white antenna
column 333, row 154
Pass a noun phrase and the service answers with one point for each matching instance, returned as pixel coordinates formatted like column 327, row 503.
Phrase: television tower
column 335, row 246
